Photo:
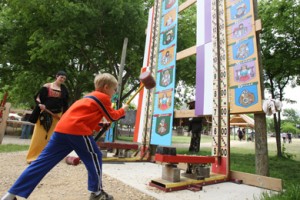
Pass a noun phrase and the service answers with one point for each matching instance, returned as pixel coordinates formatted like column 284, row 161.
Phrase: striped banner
column 204, row 61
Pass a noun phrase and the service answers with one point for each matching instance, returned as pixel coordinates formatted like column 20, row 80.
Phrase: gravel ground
column 64, row 181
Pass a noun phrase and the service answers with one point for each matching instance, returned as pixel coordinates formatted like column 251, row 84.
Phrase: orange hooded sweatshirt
column 85, row 114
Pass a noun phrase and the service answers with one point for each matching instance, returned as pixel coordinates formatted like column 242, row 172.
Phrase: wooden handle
column 51, row 113
column 132, row 97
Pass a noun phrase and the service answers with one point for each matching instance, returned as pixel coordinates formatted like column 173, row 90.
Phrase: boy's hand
column 125, row 107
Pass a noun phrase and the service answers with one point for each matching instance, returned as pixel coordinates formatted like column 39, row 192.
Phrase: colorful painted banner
column 244, row 73
column 204, row 61
column 162, row 120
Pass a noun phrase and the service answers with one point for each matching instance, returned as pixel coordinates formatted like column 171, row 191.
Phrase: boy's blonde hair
column 105, row 79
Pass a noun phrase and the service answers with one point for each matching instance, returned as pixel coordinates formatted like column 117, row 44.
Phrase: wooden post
column 3, row 121
column 120, row 78
column 120, row 86
column 261, row 143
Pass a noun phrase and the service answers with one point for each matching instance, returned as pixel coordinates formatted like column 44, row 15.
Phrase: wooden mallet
column 147, row 81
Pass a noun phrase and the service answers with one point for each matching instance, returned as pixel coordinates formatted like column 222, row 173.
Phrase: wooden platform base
column 187, row 183
column 118, row 159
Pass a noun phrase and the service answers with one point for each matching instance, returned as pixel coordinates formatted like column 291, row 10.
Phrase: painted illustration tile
column 246, row 96
column 165, row 78
column 166, row 57
column 162, row 129
column 243, row 49
column 240, row 10
column 167, row 5
column 169, row 19
column 244, row 72
column 168, row 37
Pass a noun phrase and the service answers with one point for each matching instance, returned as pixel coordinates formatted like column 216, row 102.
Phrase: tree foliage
column 280, row 41
column 40, row 37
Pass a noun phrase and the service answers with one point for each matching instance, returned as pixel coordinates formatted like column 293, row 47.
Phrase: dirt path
column 63, row 182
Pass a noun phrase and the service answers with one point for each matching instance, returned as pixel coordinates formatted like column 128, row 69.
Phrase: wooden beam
column 258, row 26
column 184, row 113
column 186, row 53
column 9, row 121
column 3, row 120
column 21, row 111
column 184, row 159
column 115, row 145
column 187, row 114
column 257, row 180
column 186, row 4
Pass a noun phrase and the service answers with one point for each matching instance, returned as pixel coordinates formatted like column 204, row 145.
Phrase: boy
column 74, row 132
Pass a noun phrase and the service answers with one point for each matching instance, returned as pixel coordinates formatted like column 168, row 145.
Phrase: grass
column 5, row 148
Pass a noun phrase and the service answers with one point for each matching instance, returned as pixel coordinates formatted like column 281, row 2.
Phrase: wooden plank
column 115, row 145
column 4, row 118
column 184, row 159
column 18, row 122
column 184, row 113
column 186, row 53
column 186, row 4
column 187, row 114
column 258, row 26
column 257, row 180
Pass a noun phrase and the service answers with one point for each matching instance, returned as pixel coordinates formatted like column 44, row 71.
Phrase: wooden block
column 128, row 154
column 166, row 150
column 104, row 153
column 204, row 171
column 171, row 173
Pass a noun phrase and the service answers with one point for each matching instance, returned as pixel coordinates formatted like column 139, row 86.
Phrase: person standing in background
column 289, row 137
column 195, row 126
column 26, row 128
column 51, row 103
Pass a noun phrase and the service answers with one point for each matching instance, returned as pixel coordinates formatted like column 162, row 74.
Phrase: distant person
column 27, row 129
column 283, row 135
column 252, row 135
column 74, row 131
column 195, row 126
column 240, row 134
column 53, row 96
column 244, row 133
column 289, row 137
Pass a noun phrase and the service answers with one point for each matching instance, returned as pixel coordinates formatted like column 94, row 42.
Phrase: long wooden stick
column 132, row 97
column 51, row 113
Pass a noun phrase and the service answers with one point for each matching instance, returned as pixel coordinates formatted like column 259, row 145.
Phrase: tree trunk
column 261, row 145
column 277, row 134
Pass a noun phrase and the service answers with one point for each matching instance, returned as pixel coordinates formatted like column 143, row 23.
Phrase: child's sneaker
column 102, row 196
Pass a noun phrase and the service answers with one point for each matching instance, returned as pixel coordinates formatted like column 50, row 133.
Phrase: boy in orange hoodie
column 74, row 132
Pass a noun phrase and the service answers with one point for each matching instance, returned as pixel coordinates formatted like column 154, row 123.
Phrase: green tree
column 280, row 41
column 39, row 37
column 288, row 127
column 291, row 115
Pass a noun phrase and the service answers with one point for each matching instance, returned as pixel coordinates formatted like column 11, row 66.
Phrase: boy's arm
column 114, row 115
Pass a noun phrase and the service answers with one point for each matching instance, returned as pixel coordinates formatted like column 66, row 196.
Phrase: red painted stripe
column 184, row 159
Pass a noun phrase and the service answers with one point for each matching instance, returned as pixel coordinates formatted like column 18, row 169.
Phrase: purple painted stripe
column 208, row 34
column 200, row 80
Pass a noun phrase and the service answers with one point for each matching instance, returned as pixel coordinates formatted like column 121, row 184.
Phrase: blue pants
column 59, row 146
column 26, row 131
